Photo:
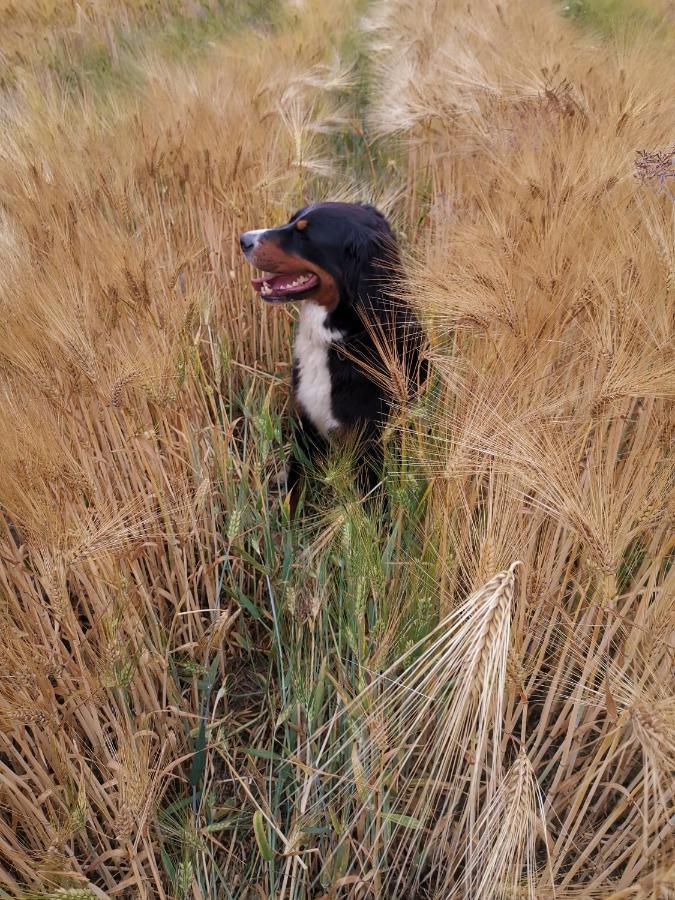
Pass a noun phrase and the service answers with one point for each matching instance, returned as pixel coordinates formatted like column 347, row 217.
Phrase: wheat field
column 463, row 689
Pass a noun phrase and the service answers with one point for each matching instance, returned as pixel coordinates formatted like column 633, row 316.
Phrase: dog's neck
column 313, row 387
column 370, row 299
column 316, row 325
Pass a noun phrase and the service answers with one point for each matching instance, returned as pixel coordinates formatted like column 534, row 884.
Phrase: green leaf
column 264, row 754
column 199, row 759
column 246, row 604
column 404, row 821
column 318, row 694
column 261, row 837
column 169, row 867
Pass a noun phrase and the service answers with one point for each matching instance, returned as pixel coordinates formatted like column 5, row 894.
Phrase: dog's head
column 327, row 253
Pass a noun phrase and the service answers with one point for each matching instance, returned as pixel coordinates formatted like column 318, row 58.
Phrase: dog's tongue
column 285, row 284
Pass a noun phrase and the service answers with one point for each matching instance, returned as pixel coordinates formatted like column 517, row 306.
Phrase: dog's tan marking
column 268, row 256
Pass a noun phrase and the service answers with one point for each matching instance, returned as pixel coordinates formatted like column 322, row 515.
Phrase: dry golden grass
column 126, row 323
column 545, row 274
column 199, row 700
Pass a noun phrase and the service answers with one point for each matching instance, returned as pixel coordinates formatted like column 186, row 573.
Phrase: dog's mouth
column 282, row 288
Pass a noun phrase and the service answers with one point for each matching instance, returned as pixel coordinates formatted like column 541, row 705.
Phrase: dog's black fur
column 353, row 249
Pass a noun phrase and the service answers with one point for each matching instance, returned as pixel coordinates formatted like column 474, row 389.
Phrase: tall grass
column 545, row 274
column 463, row 689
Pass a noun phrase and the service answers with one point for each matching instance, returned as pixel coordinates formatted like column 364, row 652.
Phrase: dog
column 340, row 261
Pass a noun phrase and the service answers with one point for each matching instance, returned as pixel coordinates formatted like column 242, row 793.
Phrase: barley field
column 463, row 689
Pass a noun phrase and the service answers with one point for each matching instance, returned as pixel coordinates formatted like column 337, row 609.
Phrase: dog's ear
column 371, row 258
column 357, row 264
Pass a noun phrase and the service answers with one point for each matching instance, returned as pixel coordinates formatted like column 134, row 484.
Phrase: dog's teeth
column 299, row 281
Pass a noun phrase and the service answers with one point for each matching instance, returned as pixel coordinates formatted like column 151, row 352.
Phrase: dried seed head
column 71, row 894
column 118, row 388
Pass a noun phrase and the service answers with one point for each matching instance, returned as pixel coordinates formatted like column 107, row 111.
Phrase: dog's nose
column 247, row 240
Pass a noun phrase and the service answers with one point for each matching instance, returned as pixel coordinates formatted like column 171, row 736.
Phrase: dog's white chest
column 313, row 387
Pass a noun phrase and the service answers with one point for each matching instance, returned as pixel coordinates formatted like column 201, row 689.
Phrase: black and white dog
column 341, row 261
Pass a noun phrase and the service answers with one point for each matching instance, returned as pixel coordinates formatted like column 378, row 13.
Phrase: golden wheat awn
column 199, row 700
column 396, row 720
column 559, row 297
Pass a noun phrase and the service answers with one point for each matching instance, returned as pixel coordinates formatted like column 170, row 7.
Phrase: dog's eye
column 301, row 224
